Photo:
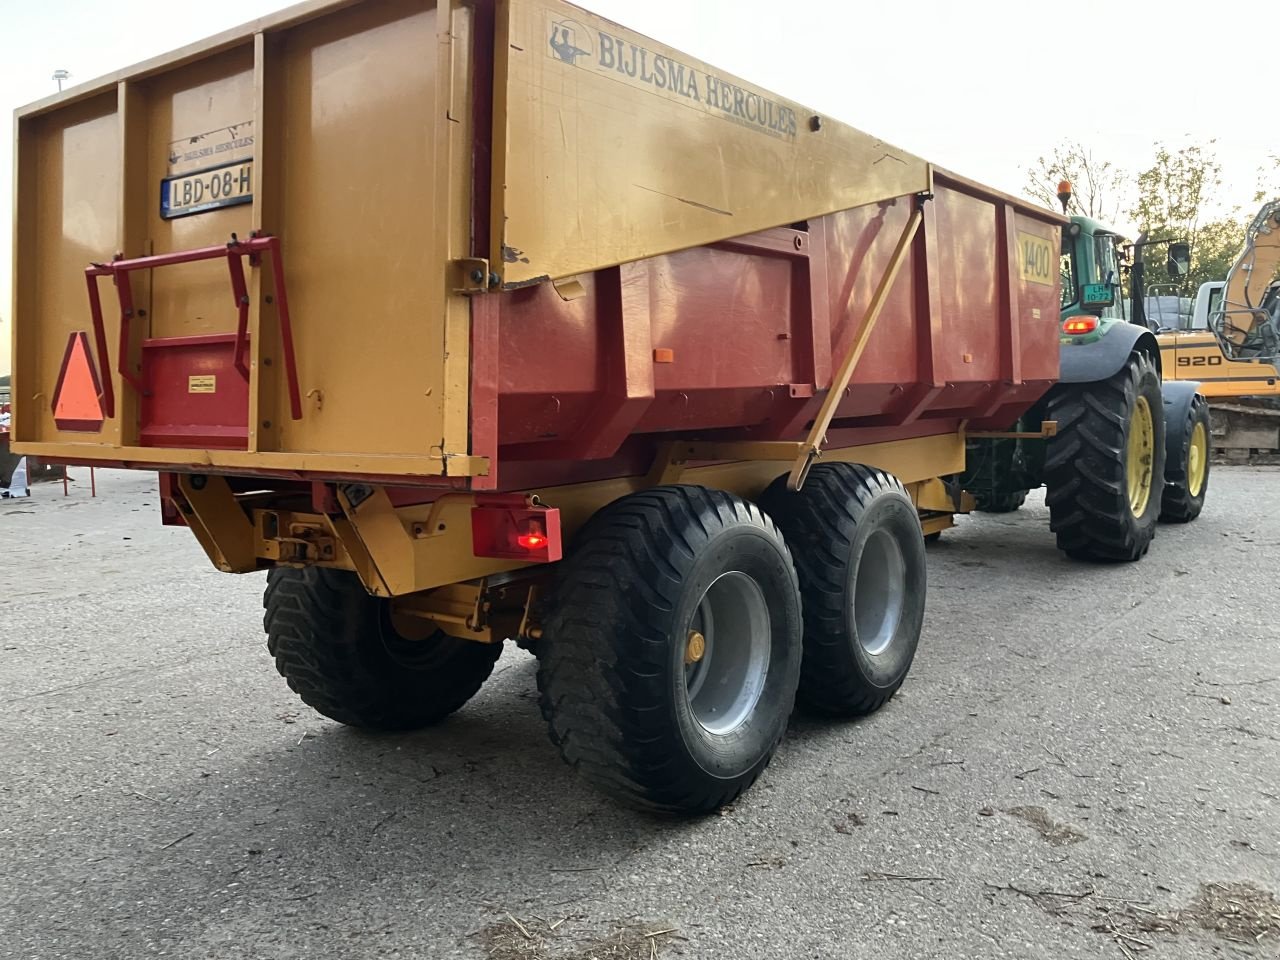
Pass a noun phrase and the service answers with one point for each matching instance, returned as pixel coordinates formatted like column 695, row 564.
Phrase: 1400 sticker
column 1037, row 258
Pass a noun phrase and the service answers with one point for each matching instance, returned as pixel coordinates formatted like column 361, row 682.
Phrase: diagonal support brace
column 812, row 447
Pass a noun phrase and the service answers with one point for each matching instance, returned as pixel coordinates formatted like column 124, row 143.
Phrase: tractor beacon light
column 1064, row 194
column 1079, row 325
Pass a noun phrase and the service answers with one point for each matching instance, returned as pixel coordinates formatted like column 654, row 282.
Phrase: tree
column 1173, row 190
column 1268, row 181
column 1173, row 194
column 1216, row 247
column 1097, row 185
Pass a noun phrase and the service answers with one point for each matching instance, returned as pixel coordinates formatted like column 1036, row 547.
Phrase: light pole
column 61, row 75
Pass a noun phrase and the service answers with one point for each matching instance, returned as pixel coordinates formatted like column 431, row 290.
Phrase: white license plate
column 203, row 190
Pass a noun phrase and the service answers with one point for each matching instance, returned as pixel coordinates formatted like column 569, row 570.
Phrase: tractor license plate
column 203, row 190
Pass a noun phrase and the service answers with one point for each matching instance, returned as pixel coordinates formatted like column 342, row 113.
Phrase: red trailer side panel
column 738, row 339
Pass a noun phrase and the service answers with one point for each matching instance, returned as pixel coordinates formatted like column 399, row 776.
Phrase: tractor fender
column 1178, row 397
column 1091, row 362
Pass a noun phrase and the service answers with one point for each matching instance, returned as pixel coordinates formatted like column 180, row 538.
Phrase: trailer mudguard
column 1090, row 362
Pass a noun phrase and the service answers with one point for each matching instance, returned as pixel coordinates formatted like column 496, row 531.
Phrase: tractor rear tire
column 1006, row 502
column 670, row 651
column 855, row 536
column 1186, row 471
column 1104, row 471
column 341, row 651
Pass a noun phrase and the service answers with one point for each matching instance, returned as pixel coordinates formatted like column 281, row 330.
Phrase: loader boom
column 1247, row 320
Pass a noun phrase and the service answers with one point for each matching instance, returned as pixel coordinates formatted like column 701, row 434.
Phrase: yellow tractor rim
column 1142, row 446
column 1197, row 460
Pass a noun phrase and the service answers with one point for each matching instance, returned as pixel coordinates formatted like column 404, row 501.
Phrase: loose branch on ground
column 174, row 843
column 876, row 876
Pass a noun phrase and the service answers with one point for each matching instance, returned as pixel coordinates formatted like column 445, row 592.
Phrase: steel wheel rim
column 1197, row 460
column 879, row 592
column 724, row 685
column 1141, row 454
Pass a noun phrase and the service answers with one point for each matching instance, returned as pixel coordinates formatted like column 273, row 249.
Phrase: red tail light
column 511, row 528
column 1080, row 325
column 534, row 536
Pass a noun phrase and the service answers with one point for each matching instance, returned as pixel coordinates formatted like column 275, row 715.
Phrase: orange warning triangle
column 77, row 399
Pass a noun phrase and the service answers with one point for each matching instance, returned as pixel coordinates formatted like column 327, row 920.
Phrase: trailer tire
column 624, row 703
column 859, row 551
column 1187, row 471
column 340, row 651
column 8, row 463
column 1006, row 502
column 1104, row 470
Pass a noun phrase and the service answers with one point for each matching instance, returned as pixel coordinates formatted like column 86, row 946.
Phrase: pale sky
column 982, row 88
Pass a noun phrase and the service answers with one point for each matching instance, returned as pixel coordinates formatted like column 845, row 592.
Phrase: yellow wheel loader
column 1230, row 345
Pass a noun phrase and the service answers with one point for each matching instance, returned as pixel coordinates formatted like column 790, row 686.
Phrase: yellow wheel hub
column 1141, row 456
column 696, row 647
column 1197, row 460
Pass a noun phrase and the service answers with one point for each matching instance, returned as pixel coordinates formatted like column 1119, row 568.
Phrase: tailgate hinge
column 471, row 275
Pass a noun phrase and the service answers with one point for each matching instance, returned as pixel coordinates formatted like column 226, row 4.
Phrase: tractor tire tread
column 1084, row 465
column 1177, row 505
column 1006, row 502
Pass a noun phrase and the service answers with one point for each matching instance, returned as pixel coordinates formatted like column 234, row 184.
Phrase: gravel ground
column 1085, row 762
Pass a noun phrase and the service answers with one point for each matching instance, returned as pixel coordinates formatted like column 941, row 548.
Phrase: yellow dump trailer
column 499, row 321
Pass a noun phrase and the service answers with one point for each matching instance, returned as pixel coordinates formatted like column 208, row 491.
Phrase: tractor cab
column 1091, row 270
column 1095, row 261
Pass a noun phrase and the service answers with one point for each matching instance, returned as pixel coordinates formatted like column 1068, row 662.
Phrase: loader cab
column 1208, row 300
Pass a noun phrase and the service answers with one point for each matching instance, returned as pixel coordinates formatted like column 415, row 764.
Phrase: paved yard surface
column 1085, row 762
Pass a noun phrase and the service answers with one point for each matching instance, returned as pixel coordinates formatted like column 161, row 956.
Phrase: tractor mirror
column 1179, row 259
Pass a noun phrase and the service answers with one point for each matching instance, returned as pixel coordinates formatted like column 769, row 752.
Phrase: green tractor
column 1123, row 454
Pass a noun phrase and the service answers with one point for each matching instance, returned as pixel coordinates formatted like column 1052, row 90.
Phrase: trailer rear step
column 194, row 390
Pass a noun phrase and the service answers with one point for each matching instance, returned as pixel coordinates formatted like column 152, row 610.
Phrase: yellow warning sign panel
column 77, row 399
column 207, row 383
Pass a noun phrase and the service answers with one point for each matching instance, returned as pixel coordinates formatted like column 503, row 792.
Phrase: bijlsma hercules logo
column 570, row 40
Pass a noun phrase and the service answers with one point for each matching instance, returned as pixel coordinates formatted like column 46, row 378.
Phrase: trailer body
column 396, row 148
column 401, row 294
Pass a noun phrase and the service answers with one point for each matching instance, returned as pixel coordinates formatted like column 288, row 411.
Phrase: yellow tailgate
column 327, row 126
